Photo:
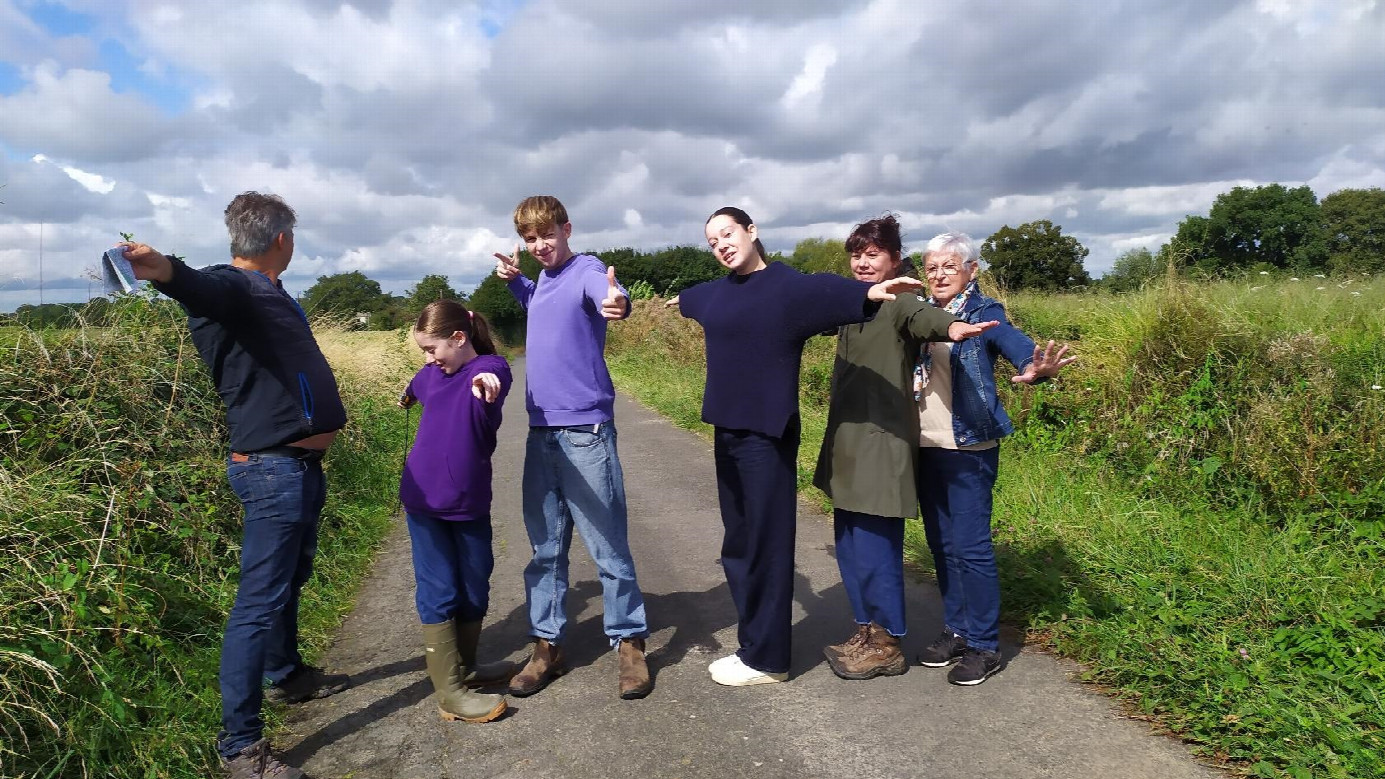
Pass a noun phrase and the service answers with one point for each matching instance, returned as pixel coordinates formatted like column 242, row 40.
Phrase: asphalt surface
column 1030, row 720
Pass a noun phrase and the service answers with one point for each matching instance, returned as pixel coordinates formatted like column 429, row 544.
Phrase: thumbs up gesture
column 507, row 267
column 616, row 305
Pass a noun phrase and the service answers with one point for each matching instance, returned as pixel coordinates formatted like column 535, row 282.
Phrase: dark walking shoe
column 976, row 667
column 878, row 656
column 947, row 650
column 307, row 683
column 257, row 762
column 634, row 672
column 545, row 665
column 857, row 639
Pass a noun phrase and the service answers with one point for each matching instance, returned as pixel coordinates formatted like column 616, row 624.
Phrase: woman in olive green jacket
column 867, row 461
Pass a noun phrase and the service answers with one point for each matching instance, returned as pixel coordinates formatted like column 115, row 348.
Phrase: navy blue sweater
column 267, row 367
column 755, row 327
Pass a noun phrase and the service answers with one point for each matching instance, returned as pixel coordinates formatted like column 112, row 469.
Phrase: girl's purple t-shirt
column 448, row 472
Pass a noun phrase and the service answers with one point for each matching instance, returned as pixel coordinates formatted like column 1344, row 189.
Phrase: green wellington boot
column 455, row 701
column 479, row 674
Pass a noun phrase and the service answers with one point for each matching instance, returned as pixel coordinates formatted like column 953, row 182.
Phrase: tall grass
column 119, row 544
column 1194, row 510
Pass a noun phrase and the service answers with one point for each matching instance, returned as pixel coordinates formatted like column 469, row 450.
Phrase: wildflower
column 1257, row 288
column 1244, row 654
column 1356, row 294
column 1264, row 273
column 1293, row 278
column 1321, row 288
column 1377, row 387
column 1319, row 275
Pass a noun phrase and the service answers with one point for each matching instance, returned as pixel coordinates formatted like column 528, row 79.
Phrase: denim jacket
column 977, row 415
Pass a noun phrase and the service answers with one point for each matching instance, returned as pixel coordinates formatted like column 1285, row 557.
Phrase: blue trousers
column 954, row 489
column 282, row 498
column 870, row 555
column 757, row 483
column 572, row 478
column 453, row 561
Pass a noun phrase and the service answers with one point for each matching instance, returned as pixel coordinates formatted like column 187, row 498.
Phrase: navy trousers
column 757, row 483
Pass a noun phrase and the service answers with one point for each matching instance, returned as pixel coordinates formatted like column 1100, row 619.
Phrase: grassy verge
column 1194, row 512
column 119, row 543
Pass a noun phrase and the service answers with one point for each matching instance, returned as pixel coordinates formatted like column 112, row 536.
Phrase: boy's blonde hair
column 538, row 212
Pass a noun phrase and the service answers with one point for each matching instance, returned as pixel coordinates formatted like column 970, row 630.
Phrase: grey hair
column 959, row 244
column 255, row 220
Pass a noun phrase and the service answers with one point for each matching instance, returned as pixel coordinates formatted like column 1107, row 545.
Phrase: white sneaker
column 722, row 662
column 730, row 671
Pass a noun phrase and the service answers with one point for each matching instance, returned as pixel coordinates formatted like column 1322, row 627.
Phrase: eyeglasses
column 945, row 270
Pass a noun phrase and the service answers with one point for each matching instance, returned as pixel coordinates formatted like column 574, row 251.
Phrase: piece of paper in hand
column 116, row 273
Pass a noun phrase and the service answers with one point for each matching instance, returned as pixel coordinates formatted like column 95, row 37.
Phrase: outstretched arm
column 1045, row 365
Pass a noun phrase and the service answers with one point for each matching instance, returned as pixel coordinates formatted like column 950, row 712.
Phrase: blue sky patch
column 59, row 19
column 167, row 91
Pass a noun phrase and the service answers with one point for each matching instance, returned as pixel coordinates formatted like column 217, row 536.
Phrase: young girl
column 755, row 322
column 446, row 492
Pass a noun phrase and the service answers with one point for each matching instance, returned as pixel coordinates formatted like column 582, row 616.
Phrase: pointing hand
column 507, row 267
column 486, row 386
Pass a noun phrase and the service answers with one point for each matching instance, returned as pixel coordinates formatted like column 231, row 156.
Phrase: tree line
column 1269, row 228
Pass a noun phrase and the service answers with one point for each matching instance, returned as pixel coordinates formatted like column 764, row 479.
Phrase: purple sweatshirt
column 448, row 472
column 565, row 363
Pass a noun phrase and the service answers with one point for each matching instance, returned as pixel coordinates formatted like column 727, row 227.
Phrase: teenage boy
column 572, row 475
column 282, row 411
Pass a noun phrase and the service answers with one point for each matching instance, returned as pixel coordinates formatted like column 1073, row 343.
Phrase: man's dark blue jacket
column 255, row 339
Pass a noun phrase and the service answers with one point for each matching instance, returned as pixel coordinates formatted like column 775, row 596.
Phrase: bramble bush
column 119, row 543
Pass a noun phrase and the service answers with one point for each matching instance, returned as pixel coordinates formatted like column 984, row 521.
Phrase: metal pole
column 40, row 263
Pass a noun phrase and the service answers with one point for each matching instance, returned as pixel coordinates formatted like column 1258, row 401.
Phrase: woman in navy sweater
column 755, row 322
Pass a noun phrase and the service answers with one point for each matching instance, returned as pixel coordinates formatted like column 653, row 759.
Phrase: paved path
column 1028, row 721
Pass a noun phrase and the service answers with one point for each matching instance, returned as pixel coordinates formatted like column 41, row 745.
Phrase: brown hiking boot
column 545, row 665
column 479, row 674
column 634, row 671
column 860, row 637
column 880, row 655
column 455, row 701
column 257, row 762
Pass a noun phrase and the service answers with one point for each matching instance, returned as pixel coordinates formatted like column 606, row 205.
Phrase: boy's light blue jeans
column 572, row 477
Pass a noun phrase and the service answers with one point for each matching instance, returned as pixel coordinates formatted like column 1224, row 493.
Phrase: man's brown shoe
column 634, row 671
column 860, row 637
column 880, row 655
column 545, row 665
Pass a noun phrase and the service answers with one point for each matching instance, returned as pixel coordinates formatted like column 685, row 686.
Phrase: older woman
column 961, row 423
column 867, row 460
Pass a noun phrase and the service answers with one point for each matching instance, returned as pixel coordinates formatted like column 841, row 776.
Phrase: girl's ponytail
column 442, row 318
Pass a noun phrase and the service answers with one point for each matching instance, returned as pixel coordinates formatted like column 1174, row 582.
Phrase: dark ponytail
column 741, row 218
column 442, row 318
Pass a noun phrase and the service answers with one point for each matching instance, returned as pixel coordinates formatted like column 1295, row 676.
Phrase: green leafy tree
column 818, row 255
column 1133, row 269
column 434, row 286
column 1035, row 255
column 1269, row 226
column 1354, row 230
column 344, row 294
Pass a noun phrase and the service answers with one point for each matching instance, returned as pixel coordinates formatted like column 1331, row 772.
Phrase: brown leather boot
column 479, row 674
column 879, row 656
column 634, row 671
column 545, row 665
column 859, row 638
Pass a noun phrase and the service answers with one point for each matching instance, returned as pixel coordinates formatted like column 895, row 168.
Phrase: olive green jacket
column 872, row 441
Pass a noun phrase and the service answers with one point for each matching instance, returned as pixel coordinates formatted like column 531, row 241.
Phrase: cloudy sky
column 403, row 131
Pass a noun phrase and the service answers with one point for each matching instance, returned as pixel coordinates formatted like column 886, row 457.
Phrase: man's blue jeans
column 283, row 498
column 954, row 489
column 572, row 477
